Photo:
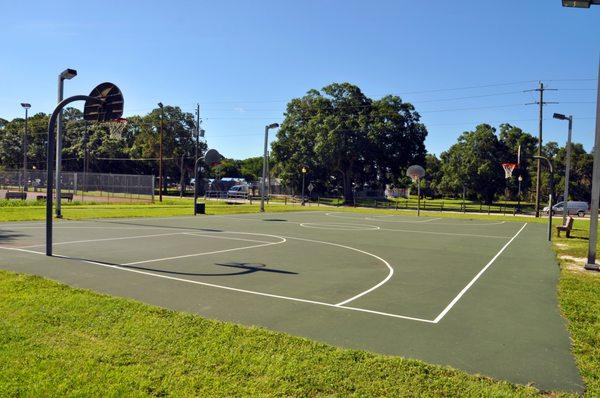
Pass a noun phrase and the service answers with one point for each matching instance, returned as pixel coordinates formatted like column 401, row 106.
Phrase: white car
column 573, row 207
column 238, row 192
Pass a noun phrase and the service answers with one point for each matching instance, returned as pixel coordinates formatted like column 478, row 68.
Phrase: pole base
column 592, row 267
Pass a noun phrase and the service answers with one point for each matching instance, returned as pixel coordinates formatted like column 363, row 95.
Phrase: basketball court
column 477, row 295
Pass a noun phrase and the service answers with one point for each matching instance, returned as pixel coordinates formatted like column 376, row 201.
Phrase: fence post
column 153, row 187
column 489, row 209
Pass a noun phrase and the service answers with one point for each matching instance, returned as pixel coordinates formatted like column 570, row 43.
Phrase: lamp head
column 25, row 105
column 68, row 74
column 577, row 3
column 273, row 126
column 160, row 105
column 559, row 116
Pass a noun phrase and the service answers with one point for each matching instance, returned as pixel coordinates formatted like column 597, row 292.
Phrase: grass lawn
column 57, row 340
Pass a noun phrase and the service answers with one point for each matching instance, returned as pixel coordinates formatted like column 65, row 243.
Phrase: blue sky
column 459, row 62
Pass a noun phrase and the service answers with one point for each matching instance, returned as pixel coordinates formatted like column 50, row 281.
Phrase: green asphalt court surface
column 476, row 295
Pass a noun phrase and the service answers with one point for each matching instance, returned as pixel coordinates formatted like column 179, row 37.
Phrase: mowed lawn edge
column 58, row 340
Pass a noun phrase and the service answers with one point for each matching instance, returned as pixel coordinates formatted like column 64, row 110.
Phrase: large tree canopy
column 475, row 163
column 346, row 139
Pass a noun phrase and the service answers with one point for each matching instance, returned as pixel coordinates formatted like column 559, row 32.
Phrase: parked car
column 238, row 192
column 573, row 207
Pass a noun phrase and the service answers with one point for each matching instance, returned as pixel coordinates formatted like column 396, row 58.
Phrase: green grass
column 58, row 341
column 172, row 207
column 579, row 295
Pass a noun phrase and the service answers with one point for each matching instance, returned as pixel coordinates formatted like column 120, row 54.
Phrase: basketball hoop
column 415, row 172
column 508, row 169
column 116, row 127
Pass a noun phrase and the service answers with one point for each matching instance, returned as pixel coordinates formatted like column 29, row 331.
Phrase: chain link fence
column 90, row 187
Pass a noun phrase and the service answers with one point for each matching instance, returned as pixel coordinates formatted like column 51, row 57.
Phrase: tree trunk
column 348, row 191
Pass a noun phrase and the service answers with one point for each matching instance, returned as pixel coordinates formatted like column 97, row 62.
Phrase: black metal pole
column 25, row 145
column 551, row 187
column 160, row 161
column 50, row 163
column 196, row 183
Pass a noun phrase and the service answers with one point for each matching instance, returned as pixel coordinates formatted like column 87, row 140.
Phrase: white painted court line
column 466, row 288
column 339, row 227
column 225, row 237
column 412, row 231
column 104, row 239
column 340, row 305
column 387, row 278
column 381, row 218
column 276, row 296
column 203, row 253
column 464, row 224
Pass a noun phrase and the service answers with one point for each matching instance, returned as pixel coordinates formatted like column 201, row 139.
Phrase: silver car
column 573, row 207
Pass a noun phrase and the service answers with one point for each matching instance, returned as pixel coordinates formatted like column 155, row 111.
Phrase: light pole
column 591, row 261
column 303, row 176
column 264, row 170
column 26, row 106
column 520, row 178
column 567, row 163
column 551, row 188
column 160, row 155
column 66, row 74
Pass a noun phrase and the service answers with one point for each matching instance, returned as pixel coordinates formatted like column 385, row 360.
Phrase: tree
column 346, row 139
column 433, row 176
column 251, row 168
column 475, row 163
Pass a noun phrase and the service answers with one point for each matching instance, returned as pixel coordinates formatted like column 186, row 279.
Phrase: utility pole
column 160, row 154
column 197, row 130
column 26, row 106
column 181, row 180
column 541, row 103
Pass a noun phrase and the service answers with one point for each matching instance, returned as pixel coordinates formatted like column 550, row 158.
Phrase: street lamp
column 591, row 260
column 264, row 170
column 160, row 155
column 520, row 178
column 551, row 181
column 579, row 3
column 303, row 175
column 26, row 106
column 66, row 74
column 560, row 116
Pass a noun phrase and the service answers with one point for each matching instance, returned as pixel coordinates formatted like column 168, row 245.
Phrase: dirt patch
column 576, row 264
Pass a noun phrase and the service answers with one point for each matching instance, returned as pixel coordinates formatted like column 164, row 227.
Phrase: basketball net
column 508, row 169
column 116, row 127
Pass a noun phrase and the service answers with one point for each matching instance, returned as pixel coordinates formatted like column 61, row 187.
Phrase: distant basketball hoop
column 213, row 157
column 416, row 172
column 508, row 169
